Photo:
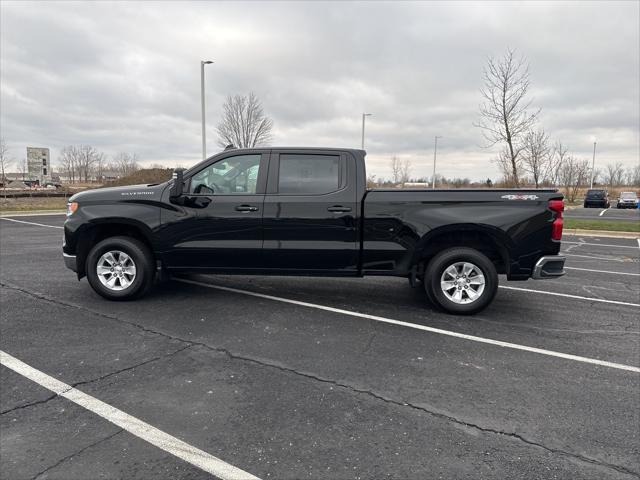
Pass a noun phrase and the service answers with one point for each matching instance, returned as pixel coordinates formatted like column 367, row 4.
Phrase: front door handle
column 338, row 209
column 246, row 208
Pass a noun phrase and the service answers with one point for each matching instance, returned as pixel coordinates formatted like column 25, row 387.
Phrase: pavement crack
column 346, row 386
column 432, row 413
column 30, row 404
column 97, row 379
column 132, row 367
column 78, row 452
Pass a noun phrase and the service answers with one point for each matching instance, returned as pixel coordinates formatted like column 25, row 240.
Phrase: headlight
column 71, row 208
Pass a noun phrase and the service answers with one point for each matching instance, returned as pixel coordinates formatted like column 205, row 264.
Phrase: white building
column 39, row 164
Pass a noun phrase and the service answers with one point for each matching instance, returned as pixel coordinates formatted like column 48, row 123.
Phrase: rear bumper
column 549, row 266
column 70, row 261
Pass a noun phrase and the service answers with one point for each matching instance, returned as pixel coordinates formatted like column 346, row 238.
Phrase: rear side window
column 310, row 174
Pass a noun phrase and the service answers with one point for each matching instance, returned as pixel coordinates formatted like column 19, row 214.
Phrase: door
column 310, row 213
column 222, row 224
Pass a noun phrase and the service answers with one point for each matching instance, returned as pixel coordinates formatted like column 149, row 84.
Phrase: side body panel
column 399, row 224
column 312, row 234
column 214, row 231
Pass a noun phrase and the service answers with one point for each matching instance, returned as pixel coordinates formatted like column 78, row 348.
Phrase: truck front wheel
column 120, row 268
column 461, row 280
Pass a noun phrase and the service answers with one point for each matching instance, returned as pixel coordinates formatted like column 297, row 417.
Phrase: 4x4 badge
column 520, row 197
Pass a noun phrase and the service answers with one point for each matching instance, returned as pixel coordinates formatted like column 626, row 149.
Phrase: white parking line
column 602, row 244
column 133, row 425
column 47, row 213
column 602, row 212
column 591, row 256
column 424, row 328
column 567, row 295
column 30, row 223
column 602, row 271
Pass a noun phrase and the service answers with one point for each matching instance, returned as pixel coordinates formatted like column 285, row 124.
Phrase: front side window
column 309, row 174
column 230, row 176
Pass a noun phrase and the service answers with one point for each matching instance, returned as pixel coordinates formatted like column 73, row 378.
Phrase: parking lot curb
column 600, row 233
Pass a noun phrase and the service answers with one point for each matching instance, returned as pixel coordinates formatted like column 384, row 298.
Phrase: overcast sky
column 126, row 76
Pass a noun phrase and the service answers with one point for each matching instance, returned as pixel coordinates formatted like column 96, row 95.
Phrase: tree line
column 527, row 155
column 84, row 163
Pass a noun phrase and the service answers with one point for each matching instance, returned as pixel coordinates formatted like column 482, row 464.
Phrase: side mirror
column 178, row 183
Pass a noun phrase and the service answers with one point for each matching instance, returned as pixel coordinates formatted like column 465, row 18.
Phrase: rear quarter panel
column 398, row 224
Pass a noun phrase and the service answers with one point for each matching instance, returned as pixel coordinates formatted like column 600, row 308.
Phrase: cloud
column 125, row 76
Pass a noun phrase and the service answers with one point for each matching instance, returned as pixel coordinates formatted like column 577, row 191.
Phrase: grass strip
column 611, row 225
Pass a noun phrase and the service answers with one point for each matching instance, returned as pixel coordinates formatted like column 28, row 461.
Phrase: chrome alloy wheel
column 462, row 282
column 116, row 270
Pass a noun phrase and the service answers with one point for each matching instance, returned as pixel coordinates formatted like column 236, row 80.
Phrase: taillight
column 557, row 206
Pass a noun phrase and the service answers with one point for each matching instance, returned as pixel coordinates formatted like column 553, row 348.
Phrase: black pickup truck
column 307, row 211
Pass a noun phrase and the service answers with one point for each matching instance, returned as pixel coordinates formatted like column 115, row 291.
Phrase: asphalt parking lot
column 294, row 378
column 613, row 213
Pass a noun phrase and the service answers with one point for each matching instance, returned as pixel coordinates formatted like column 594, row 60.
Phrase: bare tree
column 68, row 162
column 405, row 170
column 557, row 157
column 504, row 114
column 88, row 159
column 23, row 168
column 5, row 160
column 536, row 153
column 396, row 168
column 503, row 160
column 80, row 162
column 125, row 163
column 400, row 170
column 574, row 174
column 614, row 175
column 633, row 176
column 244, row 123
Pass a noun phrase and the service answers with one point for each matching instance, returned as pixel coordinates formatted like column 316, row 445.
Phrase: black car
column 307, row 211
column 597, row 198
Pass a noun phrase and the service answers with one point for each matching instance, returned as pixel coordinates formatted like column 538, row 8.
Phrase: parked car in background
column 597, row 198
column 627, row 200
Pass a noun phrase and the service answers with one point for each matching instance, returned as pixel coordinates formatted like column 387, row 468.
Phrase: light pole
column 593, row 164
column 435, row 150
column 204, row 134
column 363, row 117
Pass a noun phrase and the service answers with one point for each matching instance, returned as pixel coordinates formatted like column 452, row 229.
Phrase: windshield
column 595, row 193
column 628, row 195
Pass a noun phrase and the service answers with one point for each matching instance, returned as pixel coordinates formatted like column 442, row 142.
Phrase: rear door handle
column 339, row 208
column 246, row 208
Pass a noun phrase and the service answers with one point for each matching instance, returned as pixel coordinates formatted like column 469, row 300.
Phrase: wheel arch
column 98, row 230
column 491, row 241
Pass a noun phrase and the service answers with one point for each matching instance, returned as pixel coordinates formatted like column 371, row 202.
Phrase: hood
column 129, row 192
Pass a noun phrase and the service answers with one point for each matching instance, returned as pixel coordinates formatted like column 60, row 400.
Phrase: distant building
column 39, row 164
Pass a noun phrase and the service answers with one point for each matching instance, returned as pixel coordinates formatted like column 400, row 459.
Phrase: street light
column 363, row 117
column 593, row 164
column 435, row 149
column 204, row 135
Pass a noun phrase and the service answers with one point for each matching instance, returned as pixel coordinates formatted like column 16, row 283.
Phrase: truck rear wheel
column 120, row 268
column 461, row 280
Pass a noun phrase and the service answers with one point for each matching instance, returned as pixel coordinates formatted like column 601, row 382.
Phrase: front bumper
column 549, row 266
column 70, row 262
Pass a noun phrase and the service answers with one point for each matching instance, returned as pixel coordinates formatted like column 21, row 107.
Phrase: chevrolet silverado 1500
column 307, row 211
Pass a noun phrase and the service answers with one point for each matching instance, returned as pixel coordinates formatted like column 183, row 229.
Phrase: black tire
column 446, row 259
column 142, row 259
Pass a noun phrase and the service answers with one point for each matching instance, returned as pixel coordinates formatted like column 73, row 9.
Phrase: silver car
column 628, row 200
